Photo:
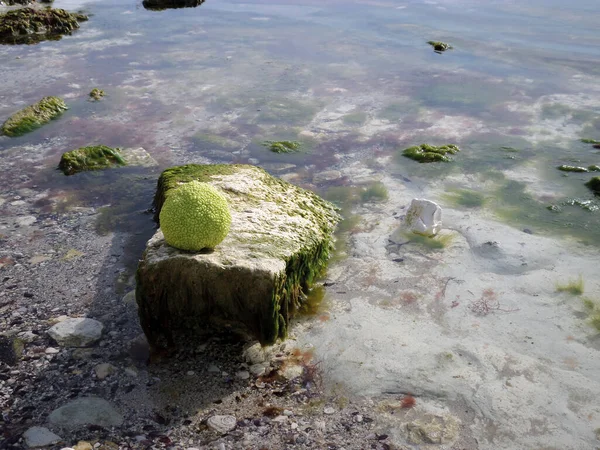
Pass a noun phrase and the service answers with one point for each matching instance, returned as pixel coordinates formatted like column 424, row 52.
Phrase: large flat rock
column 255, row 280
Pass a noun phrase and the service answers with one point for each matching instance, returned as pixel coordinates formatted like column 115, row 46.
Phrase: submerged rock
column 86, row 411
column 426, row 153
column 255, row 280
column 90, row 158
column 159, row 5
column 433, row 429
column 567, row 168
column 282, row 146
column 594, row 185
column 33, row 116
column 423, row 217
column 33, row 25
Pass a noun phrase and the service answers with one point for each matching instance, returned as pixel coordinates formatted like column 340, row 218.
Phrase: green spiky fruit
column 195, row 216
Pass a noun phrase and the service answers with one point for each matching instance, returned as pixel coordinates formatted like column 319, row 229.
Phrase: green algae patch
column 90, row 158
column 594, row 185
column 439, row 47
column 33, row 25
column 97, row 94
column 33, row 116
column 573, row 287
column 426, row 153
column 256, row 280
column 375, row 192
column 282, row 146
column 465, row 198
column 590, row 141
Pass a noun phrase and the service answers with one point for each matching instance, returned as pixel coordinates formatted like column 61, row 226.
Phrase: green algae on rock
column 96, row 94
column 426, row 153
column 594, row 185
column 282, row 146
column 159, row 5
column 439, row 47
column 590, row 141
column 32, row 25
column 256, row 279
column 90, row 158
column 33, row 116
column 567, row 168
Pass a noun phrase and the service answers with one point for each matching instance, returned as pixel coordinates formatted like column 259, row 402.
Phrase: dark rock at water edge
column 158, row 5
column 33, row 25
column 251, row 283
column 594, row 185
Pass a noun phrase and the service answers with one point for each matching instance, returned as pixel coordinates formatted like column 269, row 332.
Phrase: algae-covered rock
column 282, row 146
column 90, row 158
column 594, row 185
column 159, row 5
column 426, row 153
column 255, row 279
column 567, row 168
column 11, row 349
column 439, row 47
column 96, row 94
column 433, row 429
column 33, row 116
column 32, row 25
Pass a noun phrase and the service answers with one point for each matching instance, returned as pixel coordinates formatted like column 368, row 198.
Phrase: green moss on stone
column 439, row 47
column 33, row 116
column 90, row 158
column 426, row 153
column 594, row 185
column 96, row 94
column 32, row 25
column 282, row 146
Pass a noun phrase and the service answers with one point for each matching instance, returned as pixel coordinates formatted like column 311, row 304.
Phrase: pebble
column 358, row 418
column 40, row 437
column 243, row 374
column 255, row 354
column 257, row 369
column 84, row 411
column 131, row 372
column 104, row 370
column 191, row 373
column 213, row 369
column 221, row 424
column 76, row 332
column 51, row 351
column 329, row 410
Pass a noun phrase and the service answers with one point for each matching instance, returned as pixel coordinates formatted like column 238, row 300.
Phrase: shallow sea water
column 355, row 83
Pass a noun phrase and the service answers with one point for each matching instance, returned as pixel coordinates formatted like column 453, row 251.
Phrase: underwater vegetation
column 466, row 198
column 32, row 25
column 282, row 146
column 90, row 158
column 375, row 192
column 426, row 153
column 590, row 141
column 593, row 309
column 96, row 94
column 439, row 47
column 33, row 116
column 573, row 287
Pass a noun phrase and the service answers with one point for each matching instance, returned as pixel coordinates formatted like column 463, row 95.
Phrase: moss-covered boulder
column 439, row 47
column 33, row 116
column 255, row 279
column 94, row 157
column 426, row 153
column 32, row 25
column 97, row 94
column 594, row 185
column 159, row 5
